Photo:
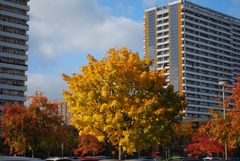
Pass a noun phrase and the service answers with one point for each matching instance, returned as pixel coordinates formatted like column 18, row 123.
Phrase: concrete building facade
column 197, row 47
column 63, row 110
column 13, row 50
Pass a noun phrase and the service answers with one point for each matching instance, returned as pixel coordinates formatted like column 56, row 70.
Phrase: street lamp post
column 223, row 83
column 62, row 147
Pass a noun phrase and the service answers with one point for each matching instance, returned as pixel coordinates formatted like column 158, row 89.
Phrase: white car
column 58, row 159
column 211, row 158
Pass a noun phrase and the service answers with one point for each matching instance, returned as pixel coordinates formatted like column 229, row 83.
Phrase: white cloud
column 52, row 86
column 152, row 3
column 149, row 3
column 57, row 27
column 236, row 2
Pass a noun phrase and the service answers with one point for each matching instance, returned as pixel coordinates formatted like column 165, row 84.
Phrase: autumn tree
column 12, row 128
column 202, row 145
column 226, row 130
column 181, row 136
column 29, row 128
column 120, row 100
column 88, row 144
column 183, row 129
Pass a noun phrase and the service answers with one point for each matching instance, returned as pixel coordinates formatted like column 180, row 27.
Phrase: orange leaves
column 235, row 97
column 28, row 128
column 183, row 129
column 226, row 130
column 12, row 123
column 204, row 145
column 88, row 144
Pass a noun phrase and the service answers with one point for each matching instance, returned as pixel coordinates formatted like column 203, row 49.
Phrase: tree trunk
column 155, row 148
column 32, row 153
column 139, row 154
column 119, row 152
column 169, row 150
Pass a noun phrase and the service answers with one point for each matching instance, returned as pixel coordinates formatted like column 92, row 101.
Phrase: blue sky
column 63, row 32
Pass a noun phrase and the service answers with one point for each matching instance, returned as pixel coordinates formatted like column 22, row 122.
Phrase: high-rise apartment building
column 63, row 110
column 198, row 47
column 13, row 48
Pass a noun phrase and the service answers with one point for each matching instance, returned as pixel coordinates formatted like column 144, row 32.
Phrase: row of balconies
column 13, row 66
column 209, row 60
column 208, row 39
column 199, row 104
column 206, row 65
column 204, row 27
column 207, row 72
column 202, row 87
column 207, row 47
column 226, row 61
column 23, row 27
column 200, row 99
column 7, row 13
column 13, row 82
column 211, row 39
column 209, row 19
column 14, row 22
column 12, row 90
column 13, row 97
column 202, row 33
column 16, row 4
column 214, row 72
column 13, row 9
column 201, row 77
column 222, row 53
column 9, row 60
column 14, row 35
column 13, row 76
column 203, row 73
column 11, row 45
column 14, row 56
column 200, row 83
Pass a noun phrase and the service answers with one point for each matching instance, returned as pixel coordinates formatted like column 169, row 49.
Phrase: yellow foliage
column 120, row 99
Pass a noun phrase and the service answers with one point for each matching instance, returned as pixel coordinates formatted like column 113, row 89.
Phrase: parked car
column 58, row 159
column 211, row 158
column 146, row 157
column 176, row 159
column 141, row 159
column 193, row 159
column 233, row 159
column 89, row 158
column 17, row 158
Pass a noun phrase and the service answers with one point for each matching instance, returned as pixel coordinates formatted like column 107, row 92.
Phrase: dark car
column 193, row 159
column 90, row 158
column 16, row 158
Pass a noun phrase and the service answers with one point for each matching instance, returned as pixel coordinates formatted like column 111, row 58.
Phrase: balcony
column 17, row 5
column 15, row 25
column 15, row 56
column 15, row 15
column 12, row 87
column 13, row 98
column 13, row 35
column 14, row 66
column 16, row 46
column 13, row 76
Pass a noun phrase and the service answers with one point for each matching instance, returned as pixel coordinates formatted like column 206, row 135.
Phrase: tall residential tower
column 198, row 47
column 13, row 48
